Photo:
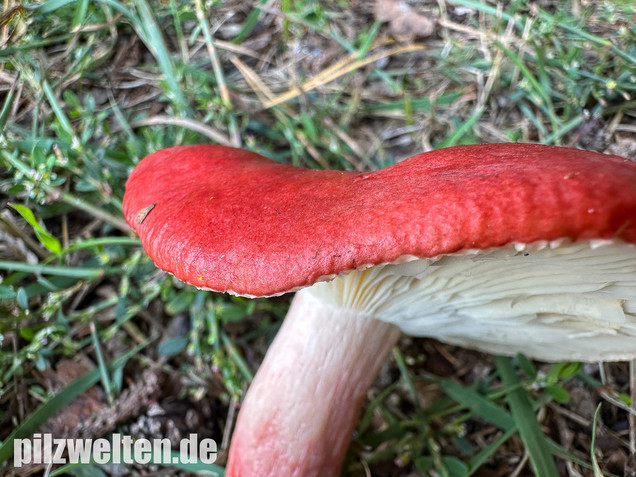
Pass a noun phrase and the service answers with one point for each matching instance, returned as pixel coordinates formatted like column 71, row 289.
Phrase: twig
column 229, row 423
column 187, row 123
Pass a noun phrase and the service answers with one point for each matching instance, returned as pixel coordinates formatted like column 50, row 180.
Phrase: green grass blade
column 57, row 109
column 238, row 359
column 61, row 271
column 529, row 429
column 250, row 23
column 458, row 133
column 418, row 104
column 487, row 452
column 585, row 35
column 542, row 97
column 51, row 243
column 66, row 470
column 369, row 38
column 371, row 409
column 399, row 360
column 8, row 104
column 150, row 33
column 477, row 404
column 102, row 241
column 101, row 365
column 114, row 4
column 563, row 130
column 560, row 451
column 51, row 5
column 198, row 467
column 489, row 10
column 80, row 14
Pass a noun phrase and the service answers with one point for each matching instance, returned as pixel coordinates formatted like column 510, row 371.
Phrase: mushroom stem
column 300, row 411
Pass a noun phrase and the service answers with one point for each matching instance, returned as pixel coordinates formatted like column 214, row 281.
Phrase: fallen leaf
column 143, row 213
column 403, row 19
column 82, row 407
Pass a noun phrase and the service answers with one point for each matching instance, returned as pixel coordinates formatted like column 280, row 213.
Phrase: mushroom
column 505, row 248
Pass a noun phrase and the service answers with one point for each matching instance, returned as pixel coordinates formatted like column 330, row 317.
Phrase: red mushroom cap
column 230, row 220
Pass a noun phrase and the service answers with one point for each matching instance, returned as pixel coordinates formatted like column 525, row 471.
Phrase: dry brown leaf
column 403, row 19
column 81, row 408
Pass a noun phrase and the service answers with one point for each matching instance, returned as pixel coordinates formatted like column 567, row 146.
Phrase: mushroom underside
column 553, row 301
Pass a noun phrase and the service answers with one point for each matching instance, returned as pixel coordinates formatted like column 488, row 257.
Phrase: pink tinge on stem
column 301, row 409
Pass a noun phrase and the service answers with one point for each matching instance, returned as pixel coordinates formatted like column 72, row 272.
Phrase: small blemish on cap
column 143, row 213
column 590, row 211
column 361, row 177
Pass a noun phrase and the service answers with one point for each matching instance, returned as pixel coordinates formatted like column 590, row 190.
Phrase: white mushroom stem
column 301, row 409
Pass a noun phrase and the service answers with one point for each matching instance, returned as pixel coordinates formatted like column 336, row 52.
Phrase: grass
column 89, row 88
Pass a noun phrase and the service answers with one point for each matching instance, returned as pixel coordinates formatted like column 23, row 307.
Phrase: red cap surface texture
column 230, row 220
